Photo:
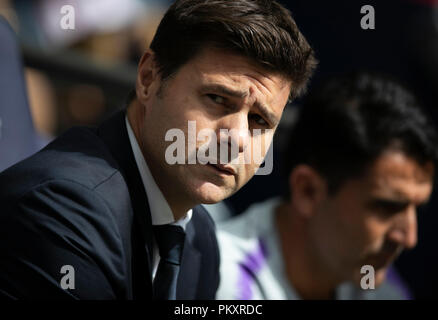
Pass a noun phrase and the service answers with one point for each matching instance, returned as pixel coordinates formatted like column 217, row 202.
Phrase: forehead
column 397, row 176
column 219, row 65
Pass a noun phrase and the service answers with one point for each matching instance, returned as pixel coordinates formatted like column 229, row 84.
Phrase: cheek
column 245, row 174
column 175, row 108
column 351, row 227
column 376, row 230
column 191, row 111
column 366, row 233
column 257, row 149
column 255, row 153
column 176, row 114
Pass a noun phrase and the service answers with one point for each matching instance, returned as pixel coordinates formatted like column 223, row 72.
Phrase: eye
column 388, row 207
column 258, row 119
column 216, row 99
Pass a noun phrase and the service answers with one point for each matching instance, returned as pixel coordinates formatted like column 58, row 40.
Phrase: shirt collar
column 160, row 210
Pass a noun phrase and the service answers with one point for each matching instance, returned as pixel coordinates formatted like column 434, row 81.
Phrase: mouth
column 223, row 169
column 381, row 263
column 385, row 259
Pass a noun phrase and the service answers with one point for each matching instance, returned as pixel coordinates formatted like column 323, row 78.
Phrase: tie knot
column 170, row 241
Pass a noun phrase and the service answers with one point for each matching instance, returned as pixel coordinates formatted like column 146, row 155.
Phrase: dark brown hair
column 349, row 120
column 262, row 30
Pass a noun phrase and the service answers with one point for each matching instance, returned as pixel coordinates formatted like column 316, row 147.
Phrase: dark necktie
column 170, row 241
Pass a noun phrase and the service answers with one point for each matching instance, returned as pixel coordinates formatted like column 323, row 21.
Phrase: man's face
column 371, row 219
column 217, row 90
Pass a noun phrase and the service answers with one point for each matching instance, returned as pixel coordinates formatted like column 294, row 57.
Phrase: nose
column 233, row 132
column 405, row 229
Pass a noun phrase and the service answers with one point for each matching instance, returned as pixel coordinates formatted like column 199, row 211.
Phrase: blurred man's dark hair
column 262, row 30
column 349, row 121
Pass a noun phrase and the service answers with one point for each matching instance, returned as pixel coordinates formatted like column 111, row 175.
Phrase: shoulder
column 242, row 244
column 242, row 233
column 73, row 179
column 60, row 222
column 65, row 205
column 78, row 156
column 71, row 187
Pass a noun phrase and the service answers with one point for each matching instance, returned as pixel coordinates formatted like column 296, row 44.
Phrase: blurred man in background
column 360, row 161
column 107, row 205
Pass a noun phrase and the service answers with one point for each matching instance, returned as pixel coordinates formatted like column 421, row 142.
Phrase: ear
column 147, row 80
column 308, row 190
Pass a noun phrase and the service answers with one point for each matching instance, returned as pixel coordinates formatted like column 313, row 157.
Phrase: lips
column 224, row 168
column 381, row 262
column 385, row 258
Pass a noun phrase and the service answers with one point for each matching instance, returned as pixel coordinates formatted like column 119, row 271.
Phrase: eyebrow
column 225, row 90
column 389, row 203
column 268, row 114
column 262, row 108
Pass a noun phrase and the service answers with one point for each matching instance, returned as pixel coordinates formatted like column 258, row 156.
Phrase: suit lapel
column 115, row 135
column 190, row 266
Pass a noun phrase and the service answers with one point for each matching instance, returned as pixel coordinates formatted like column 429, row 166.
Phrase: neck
column 179, row 207
column 304, row 269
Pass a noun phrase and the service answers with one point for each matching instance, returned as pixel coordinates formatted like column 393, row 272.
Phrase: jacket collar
column 190, row 265
column 115, row 135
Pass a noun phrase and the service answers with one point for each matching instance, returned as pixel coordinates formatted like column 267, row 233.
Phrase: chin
column 209, row 193
column 380, row 276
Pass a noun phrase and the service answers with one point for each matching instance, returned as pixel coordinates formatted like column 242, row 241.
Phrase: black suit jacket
column 81, row 202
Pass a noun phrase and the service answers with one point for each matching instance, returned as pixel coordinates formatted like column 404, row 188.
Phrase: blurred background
column 79, row 77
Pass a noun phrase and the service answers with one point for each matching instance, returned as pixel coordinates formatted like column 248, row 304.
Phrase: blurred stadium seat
column 17, row 134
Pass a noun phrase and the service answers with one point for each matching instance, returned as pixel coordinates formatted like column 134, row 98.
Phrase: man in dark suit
column 106, row 213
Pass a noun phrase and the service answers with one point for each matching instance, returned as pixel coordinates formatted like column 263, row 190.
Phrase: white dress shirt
column 160, row 210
